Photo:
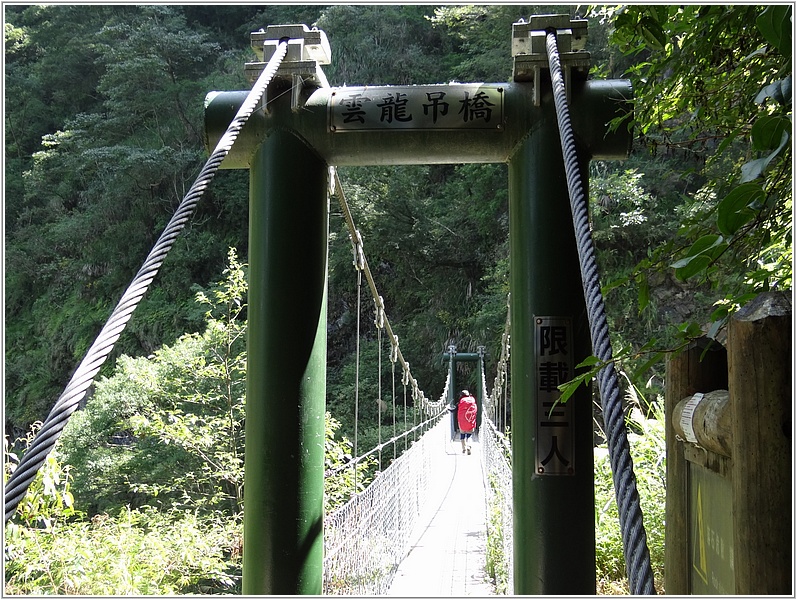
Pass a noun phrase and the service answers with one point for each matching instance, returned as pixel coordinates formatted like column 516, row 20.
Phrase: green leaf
column 590, row 361
column 569, row 388
column 701, row 246
column 779, row 91
column 775, row 25
column 715, row 328
column 689, row 330
column 692, row 266
column 734, row 210
column 757, row 52
column 654, row 358
column 699, row 256
column 651, row 31
column 767, row 132
column 753, row 169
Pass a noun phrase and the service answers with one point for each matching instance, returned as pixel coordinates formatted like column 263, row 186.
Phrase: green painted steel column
column 286, row 369
column 554, row 529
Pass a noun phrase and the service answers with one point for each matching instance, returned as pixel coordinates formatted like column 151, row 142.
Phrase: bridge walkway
column 448, row 548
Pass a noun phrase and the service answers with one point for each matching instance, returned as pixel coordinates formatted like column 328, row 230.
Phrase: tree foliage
column 104, row 136
column 168, row 430
column 50, row 547
column 150, row 473
column 715, row 82
column 713, row 170
column 101, row 164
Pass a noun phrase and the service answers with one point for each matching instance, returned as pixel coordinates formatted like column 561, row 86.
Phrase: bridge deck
column 447, row 556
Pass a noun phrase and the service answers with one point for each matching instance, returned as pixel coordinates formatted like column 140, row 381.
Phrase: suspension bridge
column 290, row 131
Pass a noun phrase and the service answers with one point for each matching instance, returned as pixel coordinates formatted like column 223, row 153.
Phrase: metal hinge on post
column 530, row 56
column 308, row 49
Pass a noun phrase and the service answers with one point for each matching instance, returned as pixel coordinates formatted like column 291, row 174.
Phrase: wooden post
column 759, row 346
column 686, row 375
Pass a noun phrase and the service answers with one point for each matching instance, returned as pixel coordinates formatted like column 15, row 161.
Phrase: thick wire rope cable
column 637, row 555
column 78, row 385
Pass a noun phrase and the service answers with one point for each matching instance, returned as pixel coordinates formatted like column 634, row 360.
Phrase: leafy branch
column 688, row 333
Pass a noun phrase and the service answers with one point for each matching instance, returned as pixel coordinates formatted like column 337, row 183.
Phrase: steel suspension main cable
column 361, row 263
column 637, row 555
column 99, row 351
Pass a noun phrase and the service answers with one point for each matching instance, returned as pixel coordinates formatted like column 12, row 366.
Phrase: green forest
column 103, row 137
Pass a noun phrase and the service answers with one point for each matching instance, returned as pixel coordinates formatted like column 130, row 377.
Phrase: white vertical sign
column 554, row 366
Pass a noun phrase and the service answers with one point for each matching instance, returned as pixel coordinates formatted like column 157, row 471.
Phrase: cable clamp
column 379, row 308
column 332, row 181
column 357, row 249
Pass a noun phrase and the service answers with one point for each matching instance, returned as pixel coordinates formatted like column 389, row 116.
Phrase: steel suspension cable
column 358, row 264
column 357, row 243
column 393, row 374
column 637, row 555
column 379, row 321
column 99, row 351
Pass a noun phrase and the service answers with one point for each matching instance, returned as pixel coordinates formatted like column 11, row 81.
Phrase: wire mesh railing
column 498, row 496
column 497, row 457
column 366, row 539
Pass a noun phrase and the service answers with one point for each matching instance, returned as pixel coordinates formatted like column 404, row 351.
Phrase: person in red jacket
column 466, row 418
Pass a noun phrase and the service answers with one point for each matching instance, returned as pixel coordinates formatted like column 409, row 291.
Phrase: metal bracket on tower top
column 530, row 56
column 308, row 49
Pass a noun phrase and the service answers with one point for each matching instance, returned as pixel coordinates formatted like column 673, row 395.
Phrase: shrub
column 497, row 563
column 137, row 552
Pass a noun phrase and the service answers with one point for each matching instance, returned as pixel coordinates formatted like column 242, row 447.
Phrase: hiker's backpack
column 466, row 414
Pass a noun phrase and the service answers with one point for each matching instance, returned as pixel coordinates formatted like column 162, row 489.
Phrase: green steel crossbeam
column 595, row 103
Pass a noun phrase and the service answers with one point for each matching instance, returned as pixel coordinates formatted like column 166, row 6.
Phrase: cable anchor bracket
column 308, row 50
column 530, row 57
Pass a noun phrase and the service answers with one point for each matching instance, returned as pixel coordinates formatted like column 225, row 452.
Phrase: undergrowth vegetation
column 648, row 453
column 143, row 493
